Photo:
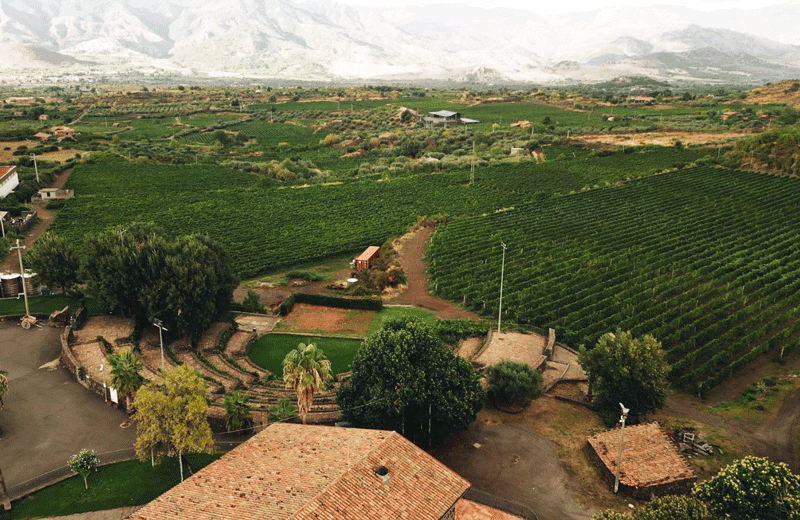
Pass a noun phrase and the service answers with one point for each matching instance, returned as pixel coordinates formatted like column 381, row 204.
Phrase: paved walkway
column 48, row 416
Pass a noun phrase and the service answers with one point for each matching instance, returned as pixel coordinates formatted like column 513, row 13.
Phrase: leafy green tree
column 125, row 374
column 252, row 303
column 84, row 463
column 186, row 283
column 674, row 508
column 306, row 370
column 238, row 412
column 627, row 370
column 611, row 515
column 174, row 415
column 513, row 383
column 55, row 261
column 752, row 488
column 114, row 265
column 405, row 379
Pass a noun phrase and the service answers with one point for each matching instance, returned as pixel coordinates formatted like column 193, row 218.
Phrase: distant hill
column 324, row 40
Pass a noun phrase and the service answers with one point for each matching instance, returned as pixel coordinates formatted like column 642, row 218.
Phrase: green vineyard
column 707, row 260
column 264, row 226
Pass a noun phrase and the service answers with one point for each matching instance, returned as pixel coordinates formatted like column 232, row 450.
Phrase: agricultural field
column 705, row 259
column 264, row 226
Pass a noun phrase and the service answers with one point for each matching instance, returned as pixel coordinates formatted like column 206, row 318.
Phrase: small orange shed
column 364, row 260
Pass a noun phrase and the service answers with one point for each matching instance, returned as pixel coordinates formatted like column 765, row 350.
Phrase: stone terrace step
column 189, row 359
column 211, row 337
column 221, row 363
column 237, row 344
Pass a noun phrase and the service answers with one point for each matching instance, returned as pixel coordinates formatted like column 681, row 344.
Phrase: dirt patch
column 469, row 347
column 514, row 346
column 660, row 138
column 327, row 320
column 262, row 324
column 411, row 249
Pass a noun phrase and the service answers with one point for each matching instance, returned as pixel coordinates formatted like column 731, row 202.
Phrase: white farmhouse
column 8, row 180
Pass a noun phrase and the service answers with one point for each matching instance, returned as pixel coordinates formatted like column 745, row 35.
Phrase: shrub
column 513, row 383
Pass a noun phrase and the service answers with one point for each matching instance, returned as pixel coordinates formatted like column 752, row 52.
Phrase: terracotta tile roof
column 649, row 457
column 7, row 170
column 369, row 253
column 299, row 472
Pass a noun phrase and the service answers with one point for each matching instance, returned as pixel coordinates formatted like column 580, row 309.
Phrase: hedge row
column 363, row 304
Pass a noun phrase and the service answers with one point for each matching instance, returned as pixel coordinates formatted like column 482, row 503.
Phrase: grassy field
column 401, row 312
column 129, row 483
column 268, row 352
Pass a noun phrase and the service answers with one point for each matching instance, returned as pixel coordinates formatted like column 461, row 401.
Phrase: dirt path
column 411, row 250
column 11, row 262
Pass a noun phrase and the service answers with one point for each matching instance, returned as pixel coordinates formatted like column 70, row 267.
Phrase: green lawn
column 268, row 352
column 122, row 484
column 397, row 312
column 37, row 304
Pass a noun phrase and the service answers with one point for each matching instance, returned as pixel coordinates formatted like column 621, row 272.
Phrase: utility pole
column 472, row 166
column 19, row 249
column 502, row 273
column 35, row 167
column 619, row 454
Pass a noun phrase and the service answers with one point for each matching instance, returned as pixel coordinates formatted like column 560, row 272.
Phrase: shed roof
column 369, row 253
column 649, row 458
column 297, row 472
column 443, row 113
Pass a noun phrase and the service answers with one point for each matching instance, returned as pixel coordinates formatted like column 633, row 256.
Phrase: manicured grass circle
column 268, row 352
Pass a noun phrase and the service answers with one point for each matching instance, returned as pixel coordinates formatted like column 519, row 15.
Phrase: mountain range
column 322, row 40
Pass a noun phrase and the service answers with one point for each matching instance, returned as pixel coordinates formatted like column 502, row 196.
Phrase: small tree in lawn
column 513, row 383
column 237, row 411
column 173, row 414
column 125, row 377
column 83, row 464
column 306, row 370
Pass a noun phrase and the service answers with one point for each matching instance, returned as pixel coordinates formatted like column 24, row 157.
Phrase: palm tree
column 306, row 370
column 237, row 411
column 125, row 377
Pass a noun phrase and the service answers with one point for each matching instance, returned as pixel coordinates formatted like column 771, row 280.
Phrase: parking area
column 48, row 416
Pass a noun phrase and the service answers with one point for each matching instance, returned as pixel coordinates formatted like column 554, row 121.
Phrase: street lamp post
column 502, row 274
column 161, row 328
column 619, row 454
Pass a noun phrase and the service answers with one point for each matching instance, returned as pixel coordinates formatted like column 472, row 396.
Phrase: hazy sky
column 567, row 6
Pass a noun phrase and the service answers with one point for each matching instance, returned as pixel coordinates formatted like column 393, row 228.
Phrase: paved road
column 48, row 416
column 516, row 464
